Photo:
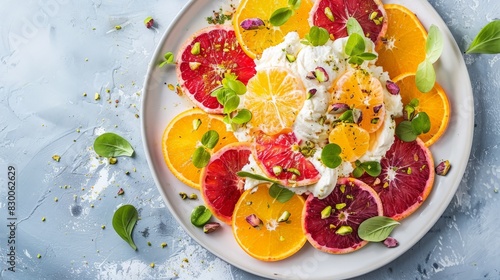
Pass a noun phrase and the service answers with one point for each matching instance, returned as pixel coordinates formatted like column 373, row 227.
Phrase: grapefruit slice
column 334, row 14
column 406, row 179
column 336, row 232
column 205, row 58
column 280, row 159
column 220, row 186
column 271, row 234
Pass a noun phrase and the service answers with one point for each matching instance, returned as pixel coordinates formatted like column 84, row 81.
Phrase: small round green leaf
column 243, row 116
column 421, row 123
column 317, row 36
column 280, row 193
column 330, row 155
column 425, row 76
column 210, row 139
column 237, row 86
column 201, row 157
column 434, row 44
column 353, row 26
column 280, row 16
column 358, row 172
column 355, row 45
column 231, row 103
column 200, row 216
column 405, row 132
column 373, row 168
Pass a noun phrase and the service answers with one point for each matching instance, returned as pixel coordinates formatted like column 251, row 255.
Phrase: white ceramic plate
column 160, row 105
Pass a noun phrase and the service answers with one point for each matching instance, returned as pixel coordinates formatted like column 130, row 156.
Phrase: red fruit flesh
column 282, row 150
column 406, row 179
column 220, row 186
column 361, row 203
column 219, row 53
column 342, row 10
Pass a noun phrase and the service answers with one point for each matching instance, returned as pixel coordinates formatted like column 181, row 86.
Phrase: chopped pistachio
column 43, row 219
column 284, row 217
column 196, row 49
column 38, row 256
column 118, row 27
column 163, row 245
column 152, row 265
column 113, row 160
column 329, row 14
column 56, row 158
column 103, row 226
column 344, row 230
column 340, row 206
column 326, row 212
column 183, row 195
column 97, row 96
column 193, row 196
column 149, row 243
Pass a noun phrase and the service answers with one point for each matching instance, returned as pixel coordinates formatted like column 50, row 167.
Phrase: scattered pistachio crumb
column 149, row 243
column 108, row 90
column 137, row 116
column 84, row 94
column 39, row 256
column 127, row 172
column 113, row 160
column 97, row 96
column 185, row 260
column 118, row 27
column 56, row 199
column 86, row 59
column 495, row 190
column 163, row 245
column 152, row 265
column 91, row 205
column 103, row 226
column 43, row 219
column 56, row 158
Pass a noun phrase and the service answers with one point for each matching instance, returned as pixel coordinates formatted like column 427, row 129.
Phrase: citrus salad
column 308, row 123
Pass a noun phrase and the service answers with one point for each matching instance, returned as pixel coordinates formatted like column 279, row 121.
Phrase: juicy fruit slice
column 255, row 41
column 181, row 138
column 281, row 152
column 361, row 91
column 353, row 140
column 403, row 46
column 351, row 202
column 220, row 186
column 333, row 15
column 435, row 103
column 274, row 96
column 203, row 61
column 406, row 179
column 271, row 240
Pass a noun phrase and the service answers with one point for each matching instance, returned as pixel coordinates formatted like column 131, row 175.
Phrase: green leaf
column 414, row 102
column 330, row 155
column 421, row 123
column 434, row 44
column 355, row 45
column 294, row 4
column 376, row 229
column 358, row 172
column 367, row 56
column 487, row 40
column 373, row 168
column 200, row 216
column 405, row 132
column 169, row 57
column 210, row 139
column 317, row 36
column 279, row 193
column 237, row 86
column 201, row 157
column 347, row 116
column 280, row 16
column 353, row 26
column 254, row 176
column 425, row 76
column 112, row 145
column 243, row 116
column 231, row 103
column 124, row 221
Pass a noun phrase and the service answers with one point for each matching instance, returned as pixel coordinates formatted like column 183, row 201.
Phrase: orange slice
column 403, row 46
column 360, row 90
column 255, row 41
column 353, row 140
column 435, row 103
column 181, row 138
column 271, row 240
column 275, row 97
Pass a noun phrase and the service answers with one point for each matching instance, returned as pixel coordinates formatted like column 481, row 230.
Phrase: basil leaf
column 434, row 44
column 237, row 86
column 355, row 45
column 373, row 168
column 124, row 221
column 330, row 155
column 279, row 193
column 421, row 123
column 487, row 40
column 425, row 76
column 200, row 216
column 405, row 132
column 243, row 116
column 210, row 139
column 376, row 229
column 254, row 176
column 112, row 145
column 294, row 4
column 353, row 26
column 317, row 36
column 280, row 16
column 231, row 103
column 201, row 157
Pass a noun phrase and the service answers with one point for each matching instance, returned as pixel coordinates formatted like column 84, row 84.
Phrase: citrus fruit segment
column 255, row 40
column 406, row 179
column 203, row 61
column 220, row 186
column 334, row 14
column 259, row 230
column 331, row 224
column 280, row 159
column 274, row 96
column 353, row 140
column 402, row 48
column 435, row 103
column 359, row 90
column 181, row 138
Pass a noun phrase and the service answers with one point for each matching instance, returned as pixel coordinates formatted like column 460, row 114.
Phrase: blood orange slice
column 333, row 15
column 280, row 158
column 220, row 186
column 335, row 231
column 406, row 179
column 205, row 58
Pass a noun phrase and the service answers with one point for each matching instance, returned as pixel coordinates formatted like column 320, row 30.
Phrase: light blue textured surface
column 54, row 51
